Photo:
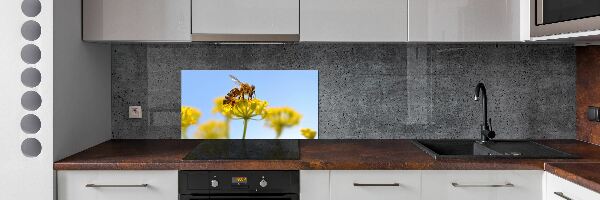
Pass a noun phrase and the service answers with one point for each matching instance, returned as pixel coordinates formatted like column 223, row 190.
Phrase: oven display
column 239, row 180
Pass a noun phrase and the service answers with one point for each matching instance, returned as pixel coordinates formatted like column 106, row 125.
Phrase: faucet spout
column 486, row 132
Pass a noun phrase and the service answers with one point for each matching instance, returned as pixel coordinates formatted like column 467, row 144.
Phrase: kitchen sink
column 471, row 149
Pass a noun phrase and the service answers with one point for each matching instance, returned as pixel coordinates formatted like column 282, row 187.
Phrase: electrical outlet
column 135, row 112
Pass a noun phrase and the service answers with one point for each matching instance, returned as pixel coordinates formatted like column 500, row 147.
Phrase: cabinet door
column 245, row 16
column 353, row 21
column 468, row 20
column 482, row 185
column 375, row 184
column 560, row 189
column 117, row 185
column 136, row 20
column 314, row 185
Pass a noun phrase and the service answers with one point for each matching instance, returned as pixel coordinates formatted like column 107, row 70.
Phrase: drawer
column 482, row 185
column 314, row 184
column 377, row 185
column 560, row 189
column 116, row 185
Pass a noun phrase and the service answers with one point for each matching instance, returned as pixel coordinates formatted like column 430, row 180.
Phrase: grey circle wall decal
column 31, row 77
column 31, row 147
column 31, row 54
column 31, row 8
column 31, row 124
column 31, row 100
column 31, row 30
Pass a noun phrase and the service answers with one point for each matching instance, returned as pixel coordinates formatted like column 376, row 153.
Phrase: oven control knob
column 214, row 183
column 263, row 183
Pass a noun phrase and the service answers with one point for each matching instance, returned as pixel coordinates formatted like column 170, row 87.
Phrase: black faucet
column 486, row 129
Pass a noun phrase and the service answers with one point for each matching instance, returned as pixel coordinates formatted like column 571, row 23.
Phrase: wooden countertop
column 314, row 154
column 331, row 155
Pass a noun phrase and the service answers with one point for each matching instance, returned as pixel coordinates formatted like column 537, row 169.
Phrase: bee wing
column 234, row 79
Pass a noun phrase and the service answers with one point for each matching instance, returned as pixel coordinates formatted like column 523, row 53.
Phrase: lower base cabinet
column 375, row 184
column 422, row 185
column 116, row 185
column 560, row 189
column 482, row 185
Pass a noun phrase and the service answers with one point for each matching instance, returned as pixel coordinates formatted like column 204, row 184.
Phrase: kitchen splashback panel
column 368, row 91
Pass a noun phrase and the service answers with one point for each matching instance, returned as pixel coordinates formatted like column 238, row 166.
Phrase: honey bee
column 244, row 90
column 232, row 96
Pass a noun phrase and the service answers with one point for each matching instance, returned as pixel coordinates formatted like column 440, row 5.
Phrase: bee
column 244, row 90
column 232, row 96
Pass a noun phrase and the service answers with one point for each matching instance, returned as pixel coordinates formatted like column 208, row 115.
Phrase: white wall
column 82, row 109
column 24, row 177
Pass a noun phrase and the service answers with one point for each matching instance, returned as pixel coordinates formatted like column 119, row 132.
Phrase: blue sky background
column 294, row 88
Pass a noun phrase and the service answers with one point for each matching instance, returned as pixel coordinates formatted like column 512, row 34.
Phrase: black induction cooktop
column 275, row 149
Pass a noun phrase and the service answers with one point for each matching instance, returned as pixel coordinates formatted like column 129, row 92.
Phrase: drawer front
column 560, row 189
column 314, row 185
column 117, row 185
column 377, row 185
column 482, row 185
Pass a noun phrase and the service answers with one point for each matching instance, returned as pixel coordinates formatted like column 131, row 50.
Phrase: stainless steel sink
column 471, row 149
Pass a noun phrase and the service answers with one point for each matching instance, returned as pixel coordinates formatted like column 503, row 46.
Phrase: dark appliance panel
column 230, row 185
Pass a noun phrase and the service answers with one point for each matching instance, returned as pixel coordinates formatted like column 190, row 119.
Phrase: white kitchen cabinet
column 245, row 20
column 468, row 20
column 117, row 185
column 314, row 185
column 375, row 184
column 354, row 21
column 482, row 185
column 560, row 189
column 136, row 20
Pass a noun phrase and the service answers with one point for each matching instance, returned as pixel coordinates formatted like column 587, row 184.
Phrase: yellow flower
column 189, row 116
column 219, row 107
column 212, row 129
column 308, row 133
column 246, row 109
column 279, row 118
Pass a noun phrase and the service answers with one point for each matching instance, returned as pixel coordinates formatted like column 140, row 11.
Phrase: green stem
column 184, row 133
column 245, row 127
column 227, row 120
column 278, row 131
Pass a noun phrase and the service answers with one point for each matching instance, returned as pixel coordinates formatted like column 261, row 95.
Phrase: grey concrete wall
column 369, row 90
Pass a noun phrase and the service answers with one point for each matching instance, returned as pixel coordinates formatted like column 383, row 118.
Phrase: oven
column 238, row 185
column 552, row 17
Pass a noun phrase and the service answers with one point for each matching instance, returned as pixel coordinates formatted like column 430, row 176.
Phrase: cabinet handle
column 114, row 186
column 376, row 184
column 560, row 194
column 491, row 185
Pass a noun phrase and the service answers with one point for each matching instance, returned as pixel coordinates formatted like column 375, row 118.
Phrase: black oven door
column 241, row 197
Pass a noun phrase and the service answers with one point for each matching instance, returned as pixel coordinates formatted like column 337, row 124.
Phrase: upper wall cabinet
column 136, row 20
column 245, row 20
column 354, row 21
column 468, row 20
